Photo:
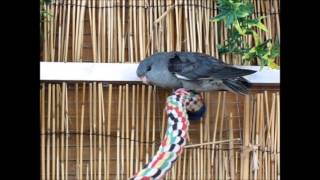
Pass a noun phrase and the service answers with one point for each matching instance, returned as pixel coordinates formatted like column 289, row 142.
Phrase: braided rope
column 171, row 146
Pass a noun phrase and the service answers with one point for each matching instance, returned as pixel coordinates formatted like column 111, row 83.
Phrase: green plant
column 44, row 15
column 237, row 16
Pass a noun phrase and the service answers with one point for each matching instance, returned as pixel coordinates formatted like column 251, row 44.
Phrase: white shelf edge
column 126, row 72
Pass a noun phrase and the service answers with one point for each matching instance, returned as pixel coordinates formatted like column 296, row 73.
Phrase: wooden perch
column 125, row 72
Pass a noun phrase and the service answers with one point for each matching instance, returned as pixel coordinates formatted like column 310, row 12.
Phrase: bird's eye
column 149, row 68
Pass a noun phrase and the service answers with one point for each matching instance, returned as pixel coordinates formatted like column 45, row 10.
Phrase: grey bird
column 194, row 71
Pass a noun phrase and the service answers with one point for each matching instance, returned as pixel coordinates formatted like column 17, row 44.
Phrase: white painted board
column 117, row 72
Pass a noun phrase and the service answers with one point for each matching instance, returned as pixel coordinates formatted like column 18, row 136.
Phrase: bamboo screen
column 97, row 130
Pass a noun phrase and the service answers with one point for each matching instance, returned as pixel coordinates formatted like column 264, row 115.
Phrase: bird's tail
column 239, row 85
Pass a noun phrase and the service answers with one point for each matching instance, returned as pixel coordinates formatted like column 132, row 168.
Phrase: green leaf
column 262, row 27
column 219, row 17
column 244, row 10
column 256, row 38
column 47, row 1
column 238, row 28
column 257, row 23
column 229, row 20
column 252, row 22
column 273, row 65
column 46, row 14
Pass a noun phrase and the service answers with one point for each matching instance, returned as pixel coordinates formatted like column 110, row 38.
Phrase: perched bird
column 193, row 71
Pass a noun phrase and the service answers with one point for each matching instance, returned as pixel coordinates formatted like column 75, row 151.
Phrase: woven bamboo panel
column 104, row 131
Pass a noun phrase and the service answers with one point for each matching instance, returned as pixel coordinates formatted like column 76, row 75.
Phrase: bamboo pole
column 109, row 130
column 216, row 165
column 190, row 165
column 211, row 143
column 130, row 34
column 153, row 149
column 94, row 120
column 244, row 172
column 81, row 131
column 81, row 27
column 150, row 45
column 67, row 132
column 63, row 98
column 73, row 28
column 103, row 33
column 148, row 123
column 135, row 32
column 43, row 131
column 199, row 165
column 277, row 18
column 92, row 90
column 66, row 42
column 272, row 135
column 99, row 36
column 200, row 29
column 215, row 127
column 87, row 172
column 53, row 166
column 59, row 19
column 137, row 150
column 142, row 126
column 124, row 33
column 104, row 133
column 132, row 136
column 226, row 165
column 231, row 146
column 198, row 150
column 178, row 168
column 236, row 163
column 64, row 30
column 100, row 97
column 195, row 165
column 184, row 172
column 261, row 137
column 90, row 130
column 62, row 171
column 58, row 166
column 77, row 128
column 127, row 147
column 58, row 147
column 186, row 17
column 119, row 32
column 45, row 36
column 109, row 31
column 163, row 122
column 207, row 158
column 255, row 158
column 193, row 28
column 122, row 141
column 278, row 135
column 221, row 170
column 206, row 29
column 118, row 131
column 53, row 32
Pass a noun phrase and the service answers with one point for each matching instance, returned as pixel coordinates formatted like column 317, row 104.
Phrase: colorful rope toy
column 179, row 106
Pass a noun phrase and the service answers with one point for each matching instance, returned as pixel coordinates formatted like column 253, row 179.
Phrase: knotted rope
column 178, row 105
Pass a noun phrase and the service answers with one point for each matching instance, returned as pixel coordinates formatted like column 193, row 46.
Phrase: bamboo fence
column 97, row 130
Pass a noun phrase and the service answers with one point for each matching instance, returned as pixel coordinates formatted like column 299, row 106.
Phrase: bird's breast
column 164, row 80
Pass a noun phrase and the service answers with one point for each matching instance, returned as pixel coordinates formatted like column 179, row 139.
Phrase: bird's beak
column 144, row 79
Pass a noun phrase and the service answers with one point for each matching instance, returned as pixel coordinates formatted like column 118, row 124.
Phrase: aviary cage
column 101, row 127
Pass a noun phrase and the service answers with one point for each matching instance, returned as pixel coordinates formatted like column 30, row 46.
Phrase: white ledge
column 125, row 72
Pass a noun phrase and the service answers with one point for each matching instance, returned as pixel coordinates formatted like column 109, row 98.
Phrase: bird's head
column 143, row 69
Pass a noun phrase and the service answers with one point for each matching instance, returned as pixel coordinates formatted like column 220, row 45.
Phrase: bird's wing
column 196, row 66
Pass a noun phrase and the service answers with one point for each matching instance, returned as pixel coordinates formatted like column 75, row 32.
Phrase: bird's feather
column 196, row 66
